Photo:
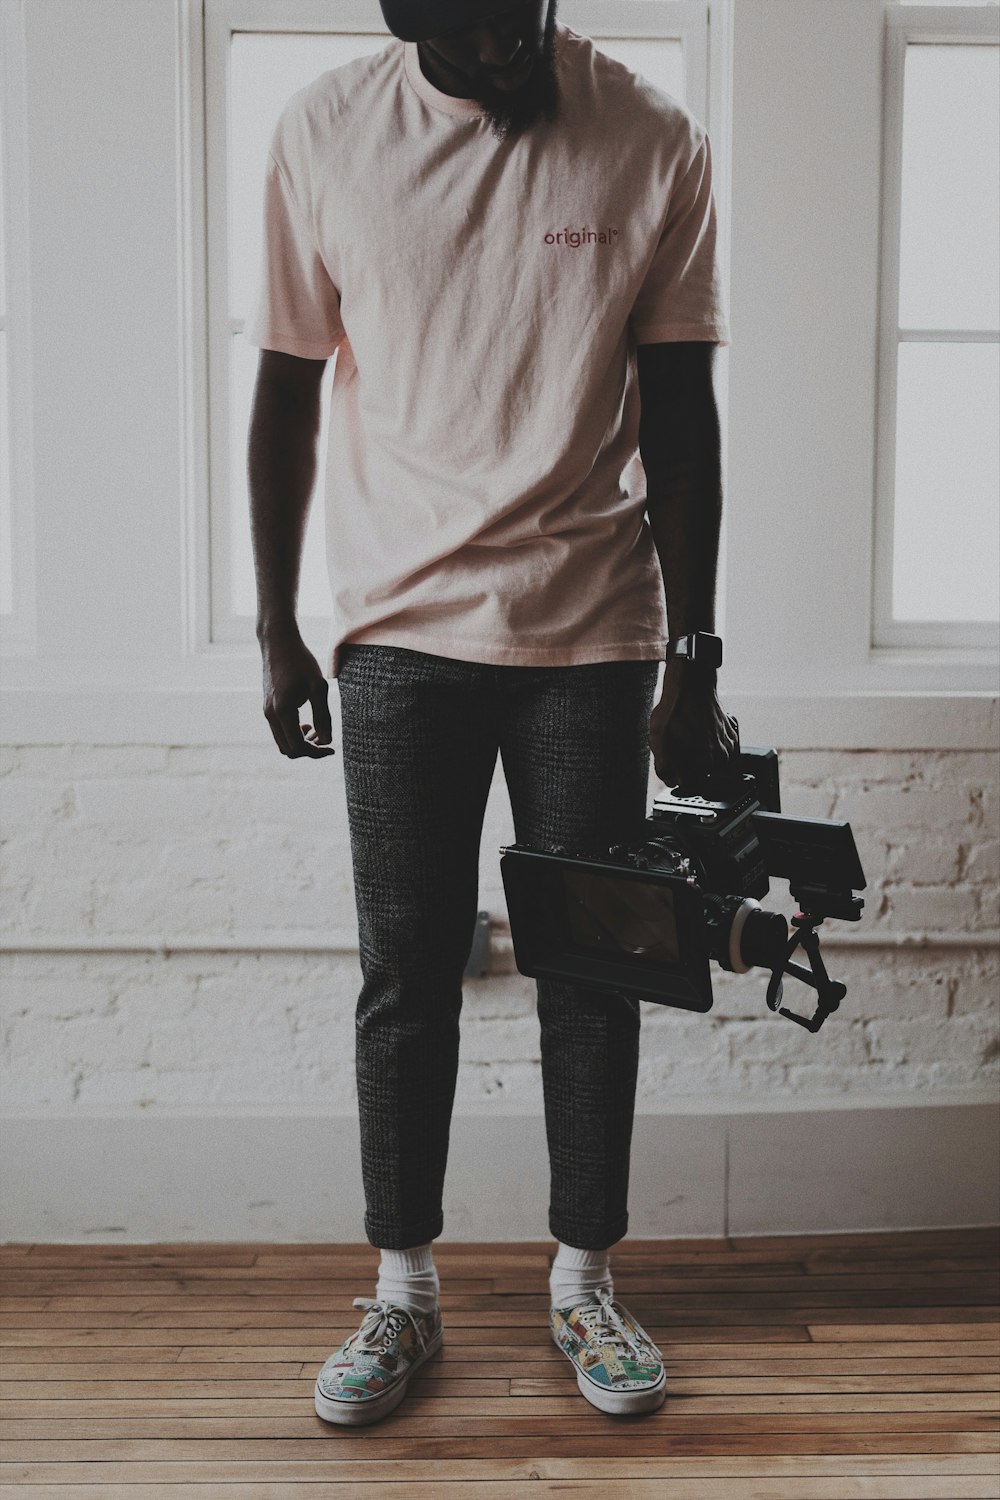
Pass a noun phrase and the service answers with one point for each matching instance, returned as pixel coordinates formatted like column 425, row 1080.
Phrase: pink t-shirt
column 484, row 491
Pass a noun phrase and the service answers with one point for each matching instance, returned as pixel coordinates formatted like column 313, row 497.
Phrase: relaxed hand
column 292, row 676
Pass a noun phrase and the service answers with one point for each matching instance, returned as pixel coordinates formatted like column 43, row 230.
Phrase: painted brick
column 889, row 808
column 981, row 863
column 63, row 903
column 122, row 1089
column 242, row 761
column 989, row 807
column 73, row 762
column 929, row 908
column 921, row 861
column 955, row 1046
column 162, row 802
column 516, row 1083
column 779, row 1040
column 18, row 892
column 496, row 1042
column 697, row 1060
column 975, row 984
column 809, row 801
column 487, row 1001
column 988, row 914
column 31, row 803
column 907, row 983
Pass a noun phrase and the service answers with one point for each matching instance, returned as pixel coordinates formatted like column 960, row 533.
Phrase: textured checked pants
column 420, row 739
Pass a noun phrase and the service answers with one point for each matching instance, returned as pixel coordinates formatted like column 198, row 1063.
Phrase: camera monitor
column 819, row 859
column 608, row 926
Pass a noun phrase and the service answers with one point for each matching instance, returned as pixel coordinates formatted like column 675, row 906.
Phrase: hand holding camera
column 689, row 734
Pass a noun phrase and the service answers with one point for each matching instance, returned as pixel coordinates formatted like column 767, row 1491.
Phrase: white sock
column 409, row 1278
column 577, row 1274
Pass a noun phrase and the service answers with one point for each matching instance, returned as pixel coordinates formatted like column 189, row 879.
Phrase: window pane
column 266, row 69
column 3, row 218
column 6, row 578
column 950, row 208
column 946, row 550
column 314, row 590
column 6, row 499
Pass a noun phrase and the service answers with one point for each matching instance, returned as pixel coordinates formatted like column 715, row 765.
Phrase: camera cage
column 578, row 916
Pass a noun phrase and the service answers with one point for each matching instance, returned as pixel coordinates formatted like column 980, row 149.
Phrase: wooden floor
column 805, row 1368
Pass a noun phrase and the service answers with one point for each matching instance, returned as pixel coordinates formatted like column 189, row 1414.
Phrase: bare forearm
column 281, row 471
column 684, row 509
column 679, row 442
column 689, row 733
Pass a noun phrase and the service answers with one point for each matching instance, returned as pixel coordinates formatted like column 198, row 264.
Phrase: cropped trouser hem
column 588, row 1236
column 392, row 1237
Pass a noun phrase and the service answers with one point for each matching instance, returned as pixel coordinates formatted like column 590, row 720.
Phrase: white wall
column 178, row 980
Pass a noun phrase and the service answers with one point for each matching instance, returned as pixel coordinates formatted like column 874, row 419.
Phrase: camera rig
column 647, row 916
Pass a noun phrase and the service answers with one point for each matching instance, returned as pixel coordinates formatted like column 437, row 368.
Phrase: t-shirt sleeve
column 298, row 306
column 681, row 295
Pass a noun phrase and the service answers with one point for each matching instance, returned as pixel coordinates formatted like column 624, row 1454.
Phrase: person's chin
column 510, row 112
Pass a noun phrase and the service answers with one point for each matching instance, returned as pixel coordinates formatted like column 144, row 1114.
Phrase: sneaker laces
column 603, row 1323
column 380, row 1324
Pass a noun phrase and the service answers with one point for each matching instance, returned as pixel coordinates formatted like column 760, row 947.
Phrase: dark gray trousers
column 420, row 739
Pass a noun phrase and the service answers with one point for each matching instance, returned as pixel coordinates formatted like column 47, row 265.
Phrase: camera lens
column 741, row 935
column 764, row 939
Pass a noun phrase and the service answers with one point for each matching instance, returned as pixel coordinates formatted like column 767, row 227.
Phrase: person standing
column 508, row 240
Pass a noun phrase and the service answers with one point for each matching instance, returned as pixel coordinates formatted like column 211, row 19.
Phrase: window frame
column 17, row 629
column 906, row 24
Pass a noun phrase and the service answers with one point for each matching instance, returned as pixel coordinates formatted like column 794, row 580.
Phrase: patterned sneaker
column 618, row 1367
column 367, row 1376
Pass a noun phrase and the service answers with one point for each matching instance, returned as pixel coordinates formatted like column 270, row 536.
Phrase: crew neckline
column 448, row 104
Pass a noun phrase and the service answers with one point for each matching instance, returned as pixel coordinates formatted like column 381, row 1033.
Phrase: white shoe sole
column 354, row 1413
column 617, row 1403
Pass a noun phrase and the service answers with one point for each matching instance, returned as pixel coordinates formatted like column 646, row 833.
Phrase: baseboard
column 283, row 1178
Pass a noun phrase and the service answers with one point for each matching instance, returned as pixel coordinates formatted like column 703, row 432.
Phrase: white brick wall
column 190, row 845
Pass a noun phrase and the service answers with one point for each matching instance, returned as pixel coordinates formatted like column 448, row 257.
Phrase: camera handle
column 830, row 991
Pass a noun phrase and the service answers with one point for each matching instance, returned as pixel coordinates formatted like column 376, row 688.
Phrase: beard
column 509, row 112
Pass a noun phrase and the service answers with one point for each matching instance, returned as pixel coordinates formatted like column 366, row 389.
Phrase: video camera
column 647, row 916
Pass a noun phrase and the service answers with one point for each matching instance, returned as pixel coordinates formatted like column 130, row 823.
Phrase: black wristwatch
column 699, row 649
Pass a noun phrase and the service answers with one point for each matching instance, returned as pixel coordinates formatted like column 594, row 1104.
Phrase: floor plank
column 776, row 1438
column 857, row 1487
column 343, row 1471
